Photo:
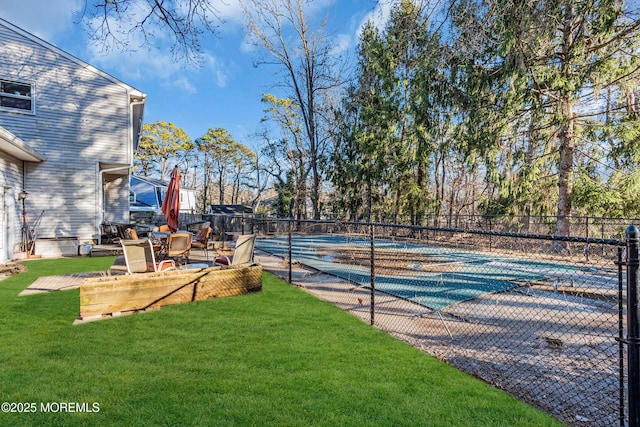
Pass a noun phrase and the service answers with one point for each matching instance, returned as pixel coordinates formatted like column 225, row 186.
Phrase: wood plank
column 104, row 296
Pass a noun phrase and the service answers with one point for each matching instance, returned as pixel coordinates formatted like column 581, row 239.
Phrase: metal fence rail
column 550, row 328
column 581, row 226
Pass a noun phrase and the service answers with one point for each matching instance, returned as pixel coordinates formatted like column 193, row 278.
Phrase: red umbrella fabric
column 171, row 202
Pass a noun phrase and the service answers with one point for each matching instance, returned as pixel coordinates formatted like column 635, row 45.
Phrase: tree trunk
column 221, row 184
column 396, row 210
column 437, row 184
column 566, row 136
column 565, row 178
column 421, row 203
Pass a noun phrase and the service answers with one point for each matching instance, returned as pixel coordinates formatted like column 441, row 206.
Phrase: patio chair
column 131, row 234
column 243, row 252
column 110, row 233
column 139, row 257
column 179, row 246
column 122, row 230
column 196, row 227
column 201, row 241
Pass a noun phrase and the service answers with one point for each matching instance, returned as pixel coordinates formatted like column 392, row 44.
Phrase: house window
column 16, row 96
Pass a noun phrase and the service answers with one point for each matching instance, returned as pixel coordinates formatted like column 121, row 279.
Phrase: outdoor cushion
column 225, row 260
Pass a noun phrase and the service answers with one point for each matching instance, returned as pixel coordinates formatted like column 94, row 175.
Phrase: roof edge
column 16, row 147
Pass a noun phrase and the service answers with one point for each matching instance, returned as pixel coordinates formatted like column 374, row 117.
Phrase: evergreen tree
column 545, row 61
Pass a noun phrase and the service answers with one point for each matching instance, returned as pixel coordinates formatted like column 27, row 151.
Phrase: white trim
column 30, row 97
column 11, row 144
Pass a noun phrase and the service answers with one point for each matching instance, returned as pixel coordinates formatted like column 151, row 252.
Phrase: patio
column 335, row 290
column 73, row 281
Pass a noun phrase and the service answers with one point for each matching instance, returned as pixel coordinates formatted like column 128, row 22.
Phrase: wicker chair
column 179, row 246
column 131, row 234
column 201, row 241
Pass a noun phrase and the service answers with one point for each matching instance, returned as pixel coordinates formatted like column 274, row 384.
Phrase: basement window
column 16, row 96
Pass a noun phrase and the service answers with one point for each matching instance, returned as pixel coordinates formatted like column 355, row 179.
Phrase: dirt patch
column 11, row 269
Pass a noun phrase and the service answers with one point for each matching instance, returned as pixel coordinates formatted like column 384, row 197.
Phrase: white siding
column 81, row 119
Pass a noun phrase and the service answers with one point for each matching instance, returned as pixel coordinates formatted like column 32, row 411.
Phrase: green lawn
column 276, row 358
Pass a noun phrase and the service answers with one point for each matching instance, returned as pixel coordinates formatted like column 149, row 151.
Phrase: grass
column 276, row 358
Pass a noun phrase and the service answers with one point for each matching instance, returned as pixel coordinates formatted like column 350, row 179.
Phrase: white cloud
column 342, row 43
column 379, row 17
column 145, row 61
column 43, row 18
column 230, row 11
column 248, row 46
column 219, row 68
column 152, row 58
column 221, row 78
column 184, row 84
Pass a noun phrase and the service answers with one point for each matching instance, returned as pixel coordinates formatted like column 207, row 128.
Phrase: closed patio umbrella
column 171, row 202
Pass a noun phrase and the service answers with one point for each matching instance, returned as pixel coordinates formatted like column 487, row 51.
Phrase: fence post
column 490, row 240
column 586, row 233
column 621, row 341
column 373, row 272
column 291, row 202
column 633, row 326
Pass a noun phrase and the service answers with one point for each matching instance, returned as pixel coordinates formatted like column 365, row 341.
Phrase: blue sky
column 224, row 92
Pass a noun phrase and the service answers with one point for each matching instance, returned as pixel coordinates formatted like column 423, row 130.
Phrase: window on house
column 15, row 95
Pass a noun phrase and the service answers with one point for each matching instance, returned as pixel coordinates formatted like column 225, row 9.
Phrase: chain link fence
column 581, row 226
column 545, row 325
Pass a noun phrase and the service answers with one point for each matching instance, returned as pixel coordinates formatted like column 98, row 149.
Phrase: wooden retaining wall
column 112, row 296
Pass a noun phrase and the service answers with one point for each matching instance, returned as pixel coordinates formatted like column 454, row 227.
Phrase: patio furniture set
column 166, row 250
column 151, row 282
column 159, row 272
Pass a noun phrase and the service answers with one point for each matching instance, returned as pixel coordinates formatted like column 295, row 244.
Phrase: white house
column 68, row 132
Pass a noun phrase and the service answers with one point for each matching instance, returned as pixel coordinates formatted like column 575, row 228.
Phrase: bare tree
column 114, row 23
column 282, row 29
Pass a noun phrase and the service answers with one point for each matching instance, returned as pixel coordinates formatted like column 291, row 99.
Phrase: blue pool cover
column 474, row 274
